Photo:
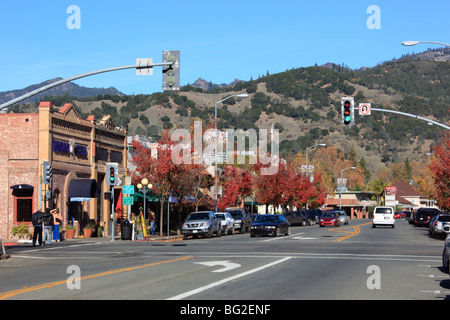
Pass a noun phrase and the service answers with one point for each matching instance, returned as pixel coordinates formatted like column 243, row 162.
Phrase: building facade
column 77, row 150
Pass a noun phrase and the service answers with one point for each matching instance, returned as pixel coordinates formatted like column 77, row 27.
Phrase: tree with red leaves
column 440, row 167
column 161, row 172
column 236, row 184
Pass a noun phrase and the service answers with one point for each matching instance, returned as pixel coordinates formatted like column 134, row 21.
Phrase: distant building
column 408, row 198
column 354, row 203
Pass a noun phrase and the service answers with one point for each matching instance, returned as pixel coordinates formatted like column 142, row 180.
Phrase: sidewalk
column 155, row 238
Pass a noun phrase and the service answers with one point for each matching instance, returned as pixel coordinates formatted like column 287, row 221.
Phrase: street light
column 307, row 161
column 413, row 43
column 144, row 187
column 241, row 95
column 340, row 189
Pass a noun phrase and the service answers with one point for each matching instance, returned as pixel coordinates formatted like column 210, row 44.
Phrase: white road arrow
column 227, row 265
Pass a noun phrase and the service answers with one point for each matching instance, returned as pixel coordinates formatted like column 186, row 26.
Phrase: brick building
column 77, row 149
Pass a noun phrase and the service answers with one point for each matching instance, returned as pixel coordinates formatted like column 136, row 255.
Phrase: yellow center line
column 349, row 234
column 9, row 294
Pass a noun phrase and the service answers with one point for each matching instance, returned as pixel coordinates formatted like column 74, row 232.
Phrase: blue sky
column 218, row 40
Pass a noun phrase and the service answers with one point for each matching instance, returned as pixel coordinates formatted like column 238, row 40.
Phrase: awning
column 82, row 189
column 22, row 187
column 140, row 197
column 248, row 201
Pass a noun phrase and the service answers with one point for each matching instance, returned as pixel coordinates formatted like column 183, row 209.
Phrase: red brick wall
column 19, row 164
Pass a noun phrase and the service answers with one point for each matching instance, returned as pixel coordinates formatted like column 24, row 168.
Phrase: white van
column 383, row 216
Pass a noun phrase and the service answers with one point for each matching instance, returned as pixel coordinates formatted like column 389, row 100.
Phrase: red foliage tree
column 161, row 172
column 236, row 184
column 440, row 167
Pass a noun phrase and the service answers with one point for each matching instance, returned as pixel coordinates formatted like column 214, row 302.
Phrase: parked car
column 201, row 223
column 446, row 252
column 343, row 218
column 423, row 216
column 437, row 224
column 226, row 222
column 270, row 224
column 397, row 215
column 242, row 221
column 383, row 216
column 296, row 217
column 314, row 215
column 329, row 218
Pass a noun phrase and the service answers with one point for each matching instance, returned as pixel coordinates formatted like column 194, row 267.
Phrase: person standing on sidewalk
column 151, row 220
column 37, row 219
column 48, row 227
column 57, row 219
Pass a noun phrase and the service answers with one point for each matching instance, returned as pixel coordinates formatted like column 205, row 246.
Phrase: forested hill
column 305, row 105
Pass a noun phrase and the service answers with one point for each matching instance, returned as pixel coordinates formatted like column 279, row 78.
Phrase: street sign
column 365, row 109
column 147, row 67
column 127, row 201
column 128, row 189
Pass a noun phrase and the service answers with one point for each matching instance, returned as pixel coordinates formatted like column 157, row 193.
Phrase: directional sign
column 226, row 264
column 364, row 109
column 128, row 189
column 127, row 201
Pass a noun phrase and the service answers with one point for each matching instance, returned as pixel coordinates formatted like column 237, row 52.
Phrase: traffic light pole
column 412, row 116
column 57, row 83
column 113, row 229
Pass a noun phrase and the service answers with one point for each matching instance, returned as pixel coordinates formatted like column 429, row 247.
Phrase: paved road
column 354, row 262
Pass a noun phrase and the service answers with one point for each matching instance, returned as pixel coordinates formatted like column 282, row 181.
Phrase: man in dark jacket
column 37, row 218
column 48, row 227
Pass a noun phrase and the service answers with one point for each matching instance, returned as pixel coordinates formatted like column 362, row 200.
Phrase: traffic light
column 171, row 73
column 112, row 174
column 47, row 172
column 348, row 112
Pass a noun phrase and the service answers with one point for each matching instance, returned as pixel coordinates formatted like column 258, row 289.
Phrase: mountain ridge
column 70, row 89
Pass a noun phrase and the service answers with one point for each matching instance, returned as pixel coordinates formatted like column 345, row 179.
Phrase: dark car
column 270, row 225
column 242, row 221
column 423, row 216
column 314, row 215
column 296, row 217
column 329, row 218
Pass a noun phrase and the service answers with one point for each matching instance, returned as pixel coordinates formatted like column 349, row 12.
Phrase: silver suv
column 201, row 223
column 437, row 224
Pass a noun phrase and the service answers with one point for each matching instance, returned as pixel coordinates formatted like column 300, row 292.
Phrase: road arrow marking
column 227, row 265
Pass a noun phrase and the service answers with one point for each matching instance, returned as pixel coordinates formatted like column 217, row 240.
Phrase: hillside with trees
column 304, row 104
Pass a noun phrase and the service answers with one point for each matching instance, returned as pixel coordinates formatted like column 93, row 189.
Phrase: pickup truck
column 201, row 223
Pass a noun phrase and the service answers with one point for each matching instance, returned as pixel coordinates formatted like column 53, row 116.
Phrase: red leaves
column 288, row 187
column 441, row 171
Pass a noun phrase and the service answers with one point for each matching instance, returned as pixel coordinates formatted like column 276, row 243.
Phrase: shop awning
column 140, row 197
column 22, row 187
column 82, row 189
column 248, row 201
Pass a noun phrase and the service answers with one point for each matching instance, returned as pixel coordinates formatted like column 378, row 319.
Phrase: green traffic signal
column 347, row 111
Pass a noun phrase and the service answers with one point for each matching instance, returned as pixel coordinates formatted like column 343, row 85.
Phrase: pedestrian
column 48, row 227
column 37, row 218
column 57, row 220
column 151, row 220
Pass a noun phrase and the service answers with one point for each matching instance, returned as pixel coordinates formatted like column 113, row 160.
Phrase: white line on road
column 47, row 248
column 285, row 237
column 218, row 283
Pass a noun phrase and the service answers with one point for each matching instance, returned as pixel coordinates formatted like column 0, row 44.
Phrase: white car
column 226, row 222
column 383, row 216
